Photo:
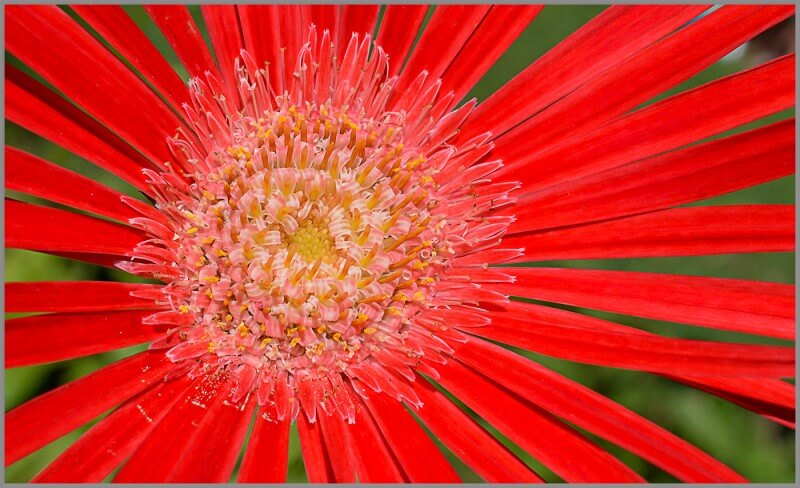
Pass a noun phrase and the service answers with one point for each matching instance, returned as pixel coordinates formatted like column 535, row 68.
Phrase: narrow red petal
column 178, row 26
column 656, row 69
column 617, row 33
column 690, row 231
column 121, row 32
column 91, row 76
column 562, row 449
column 269, row 440
column 41, row 111
column 355, row 19
column 40, row 228
column 398, row 29
column 496, row 32
column 678, row 177
column 222, row 23
column 369, row 444
column 636, row 351
column 103, row 447
column 46, row 338
column 421, row 460
column 74, row 296
column 258, row 31
column 771, row 397
column 48, row 417
column 293, row 28
column 325, row 17
column 666, row 125
column 493, row 461
column 444, row 36
column 597, row 414
column 157, row 455
column 752, row 307
column 32, row 175
column 266, row 29
column 315, row 455
column 338, row 447
column 210, row 455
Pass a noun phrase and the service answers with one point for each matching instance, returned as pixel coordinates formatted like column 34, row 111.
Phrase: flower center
column 312, row 241
column 306, row 238
column 313, row 237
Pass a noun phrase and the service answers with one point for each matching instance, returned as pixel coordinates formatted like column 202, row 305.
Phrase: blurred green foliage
column 759, row 449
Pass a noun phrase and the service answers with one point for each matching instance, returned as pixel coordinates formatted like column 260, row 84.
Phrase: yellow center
column 312, row 241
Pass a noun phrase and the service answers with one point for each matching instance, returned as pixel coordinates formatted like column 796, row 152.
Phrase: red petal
column 398, row 30
column 762, row 395
column 595, row 413
column 157, row 455
column 268, row 28
column 258, row 30
column 178, row 26
column 496, row 32
column 121, row 32
column 418, row 455
column 666, row 125
column 654, row 69
column 270, row 440
column 223, row 27
column 521, row 324
column 691, row 231
column 444, row 36
column 338, row 448
column 34, row 107
column 493, row 461
column 103, row 447
column 48, row 417
column 31, row 175
column 775, row 399
column 211, row 454
column 355, row 19
column 55, row 337
column 562, row 449
column 315, row 456
column 368, row 444
column 47, row 229
column 754, row 307
column 683, row 176
column 617, row 33
column 325, row 17
column 74, row 296
column 91, row 76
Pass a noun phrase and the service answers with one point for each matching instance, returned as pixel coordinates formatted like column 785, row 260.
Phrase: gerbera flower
column 325, row 220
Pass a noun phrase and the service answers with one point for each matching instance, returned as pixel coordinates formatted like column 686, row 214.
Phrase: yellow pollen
column 312, row 241
column 392, row 310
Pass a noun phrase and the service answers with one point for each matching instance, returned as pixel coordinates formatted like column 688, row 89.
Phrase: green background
column 757, row 448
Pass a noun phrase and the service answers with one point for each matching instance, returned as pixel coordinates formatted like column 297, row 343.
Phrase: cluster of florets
column 311, row 236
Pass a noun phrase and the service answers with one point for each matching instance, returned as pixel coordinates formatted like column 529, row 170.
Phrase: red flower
column 323, row 220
